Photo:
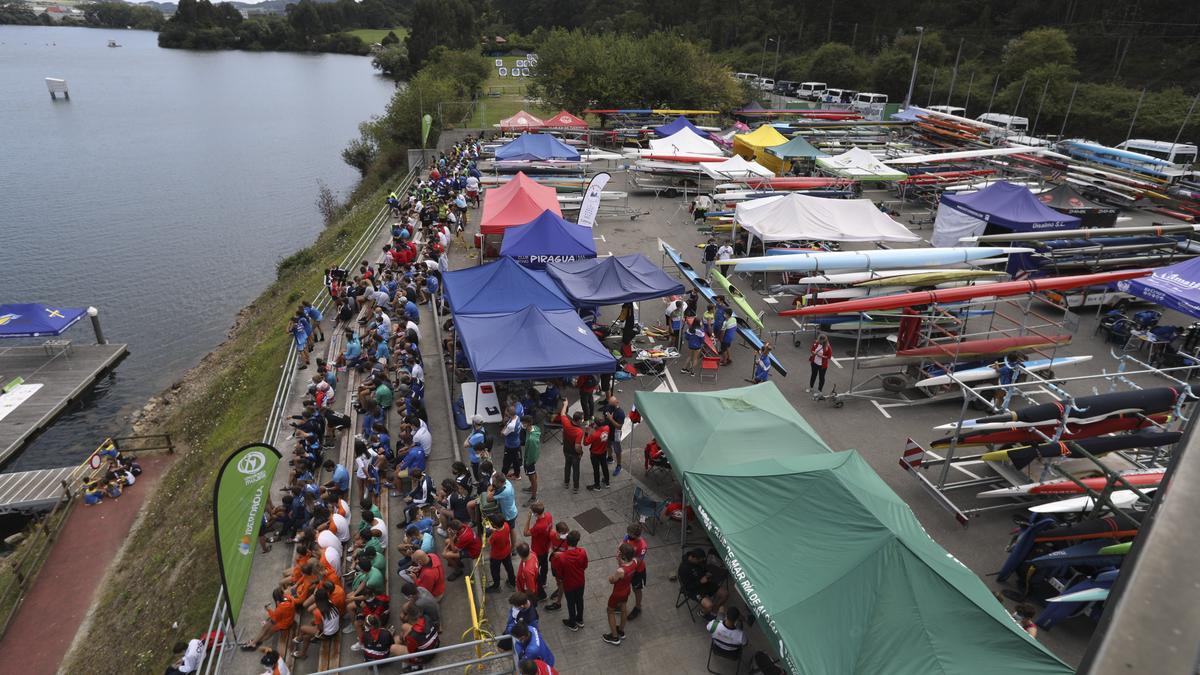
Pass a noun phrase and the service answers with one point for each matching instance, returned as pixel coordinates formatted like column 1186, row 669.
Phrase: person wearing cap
column 474, row 444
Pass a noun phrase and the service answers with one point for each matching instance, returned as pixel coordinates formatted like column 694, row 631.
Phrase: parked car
column 786, row 87
column 1012, row 123
column 749, row 77
column 766, row 83
column 812, row 91
column 834, row 95
column 948, row 110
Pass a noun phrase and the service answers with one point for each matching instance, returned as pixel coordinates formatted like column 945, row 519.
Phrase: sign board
column 499, row 63
column 502, row 71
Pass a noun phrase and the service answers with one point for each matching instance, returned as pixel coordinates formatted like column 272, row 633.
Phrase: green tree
column 446, row 23
column 361, row 152
column 838, row 65
column 305, row 19
column 391, row 39
column 391, row 61
column 1036, row 48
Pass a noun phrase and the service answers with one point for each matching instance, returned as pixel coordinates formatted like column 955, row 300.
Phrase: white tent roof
column 736, row 167
column 684, row 142
column 795, row 216
column 858, row 163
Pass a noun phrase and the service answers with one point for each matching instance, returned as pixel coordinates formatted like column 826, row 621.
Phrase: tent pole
column 683, row 523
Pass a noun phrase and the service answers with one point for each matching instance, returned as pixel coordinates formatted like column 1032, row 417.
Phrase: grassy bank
column 370, row 36
column 168, row 571
column 503, row 97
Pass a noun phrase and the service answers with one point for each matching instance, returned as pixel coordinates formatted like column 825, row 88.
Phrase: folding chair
column 709, row 365
column 763, row 663
column 734, row 655
column 684, row 599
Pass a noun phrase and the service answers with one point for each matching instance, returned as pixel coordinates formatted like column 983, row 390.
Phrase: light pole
column 762, row 60
column 912, row 81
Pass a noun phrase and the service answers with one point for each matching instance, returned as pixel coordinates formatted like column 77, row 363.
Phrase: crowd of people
column 119, row 473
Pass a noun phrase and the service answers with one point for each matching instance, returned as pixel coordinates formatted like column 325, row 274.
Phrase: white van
column 869, row 101
column 812, row 91
column 1012, row 123
column 749, row 77
column 765, row 83
column 1182, row 155
column 948, row 110
column 834, row 95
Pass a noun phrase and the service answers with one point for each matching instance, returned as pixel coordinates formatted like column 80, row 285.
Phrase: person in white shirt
column 726, row 631
column 725, row 252
column 423, row 437
column 418, row 372
column 192, row 652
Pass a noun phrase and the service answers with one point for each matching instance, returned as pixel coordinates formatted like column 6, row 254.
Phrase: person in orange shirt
column 337, row 596
column 303, row 556
column 280, row 618
column 527, row 572
column 309, row 578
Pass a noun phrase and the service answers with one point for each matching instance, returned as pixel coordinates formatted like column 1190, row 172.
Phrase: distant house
column 57, row 12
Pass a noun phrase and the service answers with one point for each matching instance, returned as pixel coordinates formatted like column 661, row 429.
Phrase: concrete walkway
column 66, row 586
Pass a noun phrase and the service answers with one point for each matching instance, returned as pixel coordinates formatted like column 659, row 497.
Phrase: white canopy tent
column 736, row 168
column 859, row 164
column 684, row 142
column 794, row 216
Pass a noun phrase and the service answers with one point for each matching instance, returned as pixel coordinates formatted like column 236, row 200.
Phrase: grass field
column 503, row 97
column 373, row 35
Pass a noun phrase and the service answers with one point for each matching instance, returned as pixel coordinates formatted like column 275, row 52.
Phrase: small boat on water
column 113, row 43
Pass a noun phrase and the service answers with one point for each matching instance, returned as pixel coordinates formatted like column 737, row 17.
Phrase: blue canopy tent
column 499, row 287
column 613, row 280
column 998, row 208
column 531, row 344
column 542, row 147
column 678, row 124
column 1174, row 287
column 33, row 319
column 546, row 239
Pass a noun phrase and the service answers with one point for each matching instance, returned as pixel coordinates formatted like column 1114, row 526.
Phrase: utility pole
column 993, row 98
column 932, row 82
column 954, row 74
column 1062, row 131
column 775, row 70
column 970, row 86
column 912, row 80
column 1186, row 118
column 1129, row 134
column 1033, row 129
column 762, row 60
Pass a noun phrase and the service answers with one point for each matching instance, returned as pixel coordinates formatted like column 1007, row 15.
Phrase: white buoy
column 57, row 86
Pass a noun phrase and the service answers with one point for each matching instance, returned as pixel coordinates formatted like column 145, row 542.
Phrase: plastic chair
column 710, row 365
column 734, row 655
column 647, row 510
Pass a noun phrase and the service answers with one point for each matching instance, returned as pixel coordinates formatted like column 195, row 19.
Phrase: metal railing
column 492, row 656
column 219, row 619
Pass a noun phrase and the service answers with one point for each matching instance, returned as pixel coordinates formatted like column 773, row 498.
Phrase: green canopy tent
column 835, row 565
column 781, row 157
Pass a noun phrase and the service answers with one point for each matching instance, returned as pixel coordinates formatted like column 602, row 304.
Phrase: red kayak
column 1073, row 432
column 1000, row 290
column 1103, row 528
column 990, row 346
column 688, row 159
column 1138, row 479
column 797, row 183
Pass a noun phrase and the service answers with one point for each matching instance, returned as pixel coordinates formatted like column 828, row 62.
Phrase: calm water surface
column 163, row 193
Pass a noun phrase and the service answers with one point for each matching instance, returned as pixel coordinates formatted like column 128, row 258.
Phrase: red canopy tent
column 517, row 202
column 522, row 121
column 565, row 120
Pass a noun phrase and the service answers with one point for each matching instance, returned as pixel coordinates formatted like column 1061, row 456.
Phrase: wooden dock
column 63, row 373
column 33, row 491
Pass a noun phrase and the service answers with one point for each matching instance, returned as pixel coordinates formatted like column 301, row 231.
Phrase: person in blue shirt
column 314, row 316
column 694, row 334
column 506, row 498
column 512, row 444
column 382, row 351
column 728, row 332
column 521, row 610
column 414, row 458
column 339, row 477
column 296, row 329
column 762, row 364
column 528, row 644
column 474, row 445
column 411, row 311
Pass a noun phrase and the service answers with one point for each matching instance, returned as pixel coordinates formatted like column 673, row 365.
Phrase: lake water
column 163, row 193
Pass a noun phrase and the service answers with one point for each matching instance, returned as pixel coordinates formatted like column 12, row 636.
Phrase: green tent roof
column 797, row 148
column 835, row 564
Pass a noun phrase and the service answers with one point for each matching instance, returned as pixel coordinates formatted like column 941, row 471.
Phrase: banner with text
column 239, row 498
column 591, row 199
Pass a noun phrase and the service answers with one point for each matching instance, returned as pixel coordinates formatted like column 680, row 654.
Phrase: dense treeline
column 18, row 13
column 307, row 26
column 96, row 14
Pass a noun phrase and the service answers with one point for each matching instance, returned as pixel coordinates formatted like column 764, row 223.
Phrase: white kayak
column 1122, row 499
column 1089, row 595
column 983, row 373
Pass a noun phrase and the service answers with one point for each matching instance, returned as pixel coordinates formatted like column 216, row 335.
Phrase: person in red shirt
column 558, row 542
column 536, row 667
column 570, row 564
column 527, row 572
column 633, row 537
column 597, row 442
column 500, row 553
column 431, row 574
column 622, row 581
column 539, row 526
column 587, row 394
column 572, row 438
column 461, row 551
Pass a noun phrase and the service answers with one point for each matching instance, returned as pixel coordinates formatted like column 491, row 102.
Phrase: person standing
column 615, row 416
column 597, row 442
column 512, row 444
column 710, row 256
column 533, row 450
column 633, row 537
column 570, row 565
column 587, row 392
column 725, row 251
column 539, row 526
column 819, row 355
column 572, row 437
column 500, row 553
column 694, row 338
column 700, row 206
column 674, row 316
column 762, row 364
column 621, row 581
column 527, row 572
column 728, row 332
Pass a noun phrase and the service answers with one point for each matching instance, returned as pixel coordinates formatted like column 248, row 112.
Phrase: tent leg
column 476, row 411
column 683, row 521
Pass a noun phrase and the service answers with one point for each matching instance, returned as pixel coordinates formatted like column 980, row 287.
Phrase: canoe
column 1100, row 528
column 1073, row 432
column 987, row 372
column 1022, row 456
column 737, row 298
column 851, row 278
column 1081, row 234
column 800, row 261
column 1003, row 289
column 1086, row 595
column 932, row 278
column 1087, row 409
column 1117, row 549
column 1121, row 499
column 986, row 347
column 1148, row 478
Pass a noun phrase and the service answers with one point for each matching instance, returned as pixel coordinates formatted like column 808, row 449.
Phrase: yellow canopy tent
column 754, row 144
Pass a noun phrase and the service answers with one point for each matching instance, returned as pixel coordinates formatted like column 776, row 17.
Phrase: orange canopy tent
column 517, row 202
column 565, row 120
column 522, row 121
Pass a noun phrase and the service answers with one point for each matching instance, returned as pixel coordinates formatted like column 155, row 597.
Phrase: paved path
column 55, row 607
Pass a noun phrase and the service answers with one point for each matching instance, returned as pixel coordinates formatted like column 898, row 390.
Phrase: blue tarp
column 678, row 124
column 1174, row 287
column 546, row 239
column 36, row 320
column 536, row 147
column 531, row 344
column 499, row 287
column 1011, row 207
column 613, row 280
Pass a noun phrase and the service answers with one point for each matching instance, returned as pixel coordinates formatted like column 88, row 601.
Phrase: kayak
column 1117, row 549
column 739, row 300
column 1072, row 433
column 987, row 372
column 1100, row 528
column 851, row 278
column 800, row 261
column 932, row 278
column 1121, row 499
column 1148, row 478
column 1087, row 409
column 1003, row 289
column 988, row 346
column 1023, row 455
column 1086, row 595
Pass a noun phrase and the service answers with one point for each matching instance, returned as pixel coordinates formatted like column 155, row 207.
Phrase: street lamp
column 912, row 81
column 762, row 60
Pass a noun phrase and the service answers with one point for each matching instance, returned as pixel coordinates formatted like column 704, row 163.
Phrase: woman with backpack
column 819, row 355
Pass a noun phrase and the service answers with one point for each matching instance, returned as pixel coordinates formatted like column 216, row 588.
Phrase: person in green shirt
column 383, row 395
column 533, row 448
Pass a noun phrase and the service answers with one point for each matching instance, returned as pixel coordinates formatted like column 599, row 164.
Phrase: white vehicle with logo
column 1182, row 155
column 870, row 105
column 812, row 91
